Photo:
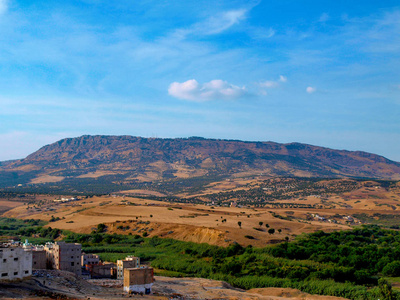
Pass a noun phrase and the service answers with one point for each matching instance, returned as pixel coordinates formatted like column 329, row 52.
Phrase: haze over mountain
column 137, row 159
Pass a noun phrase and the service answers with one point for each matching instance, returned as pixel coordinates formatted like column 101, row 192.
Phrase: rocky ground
column 53, row 284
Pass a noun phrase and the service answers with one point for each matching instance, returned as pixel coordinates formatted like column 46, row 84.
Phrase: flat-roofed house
column 138, row 280
column 15, row 263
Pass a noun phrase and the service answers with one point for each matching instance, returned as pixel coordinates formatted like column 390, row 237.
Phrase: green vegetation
column 344, row 264
column 11, row 226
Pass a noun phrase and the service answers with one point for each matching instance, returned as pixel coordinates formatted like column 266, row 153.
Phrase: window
column 15, row 273
column 4, row 274
column 15, row 258
column 26, row 272
column 72, row 264
column 4, row 260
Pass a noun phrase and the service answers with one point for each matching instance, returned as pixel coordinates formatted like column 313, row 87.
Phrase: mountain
column 135, row 159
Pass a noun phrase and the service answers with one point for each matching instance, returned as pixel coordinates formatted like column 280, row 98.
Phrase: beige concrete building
column 138, row 280
column 64, row 256
column 15, row 263
column 89, row 259
column 128, row 262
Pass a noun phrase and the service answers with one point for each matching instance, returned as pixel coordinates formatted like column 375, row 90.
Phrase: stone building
column 64, row 256
column 128, row 262
column 15, row 263
column 138, row 280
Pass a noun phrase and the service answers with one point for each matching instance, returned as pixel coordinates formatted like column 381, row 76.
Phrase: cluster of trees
column 345, row 264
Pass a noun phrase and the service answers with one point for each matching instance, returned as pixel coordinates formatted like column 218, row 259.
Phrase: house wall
column 90, row 259
column 15, row 263
column 38, row 259
column 139, row 280
column 64, row 256
column 130, row 262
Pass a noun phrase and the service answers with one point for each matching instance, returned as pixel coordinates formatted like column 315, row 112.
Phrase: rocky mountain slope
column 138, row 159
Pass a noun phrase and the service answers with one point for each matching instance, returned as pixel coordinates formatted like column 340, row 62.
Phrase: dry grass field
column 218, row 225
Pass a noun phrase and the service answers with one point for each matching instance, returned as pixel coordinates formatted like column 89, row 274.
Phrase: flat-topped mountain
column 136, row 159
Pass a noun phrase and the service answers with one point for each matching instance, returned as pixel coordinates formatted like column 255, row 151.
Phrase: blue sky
column 319, row 72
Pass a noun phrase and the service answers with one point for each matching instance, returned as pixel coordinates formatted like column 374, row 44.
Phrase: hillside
column 124, row 160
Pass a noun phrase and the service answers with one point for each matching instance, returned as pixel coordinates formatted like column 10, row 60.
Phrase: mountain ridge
column 152, row 159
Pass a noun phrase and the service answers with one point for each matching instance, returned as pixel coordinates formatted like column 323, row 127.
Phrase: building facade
column 138, row 280
column 128, row 262
column 15, row 263
column 64, row 256
column 100, row 270
column 39, row 259
column 89, row 259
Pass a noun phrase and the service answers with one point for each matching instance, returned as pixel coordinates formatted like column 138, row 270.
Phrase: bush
column 392, row 269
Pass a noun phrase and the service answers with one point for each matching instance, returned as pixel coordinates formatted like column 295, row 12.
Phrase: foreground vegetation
column 346, row 264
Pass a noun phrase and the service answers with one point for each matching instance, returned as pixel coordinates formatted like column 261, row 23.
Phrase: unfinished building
column 64, row 256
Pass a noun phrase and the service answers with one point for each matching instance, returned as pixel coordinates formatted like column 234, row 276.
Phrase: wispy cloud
column 215, row 89
column 271, row 84
column 214, row 24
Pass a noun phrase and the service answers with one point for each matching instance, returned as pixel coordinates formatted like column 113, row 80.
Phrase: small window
column 4, row 260
column 15, row 273
column 34, row 263
column 72, row 264
column 15, row 258
column 12, row 249
column 72, row 257
column 4, row 274
column 26, row 272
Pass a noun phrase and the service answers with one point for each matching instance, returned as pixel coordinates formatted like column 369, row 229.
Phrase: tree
column 101, row 228
column 267, row 225
column 240, row 224
column 279, row 230
column 271, row 231
column 260, row 223
column 392, row 269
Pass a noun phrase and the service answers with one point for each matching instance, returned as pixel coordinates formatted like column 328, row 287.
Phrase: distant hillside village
column 21, row 260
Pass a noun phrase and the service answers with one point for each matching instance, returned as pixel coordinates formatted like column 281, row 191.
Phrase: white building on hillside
column 15, row 263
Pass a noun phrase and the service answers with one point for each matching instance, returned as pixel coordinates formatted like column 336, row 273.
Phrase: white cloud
column 3, row 6
column 311, row 89
column 269, row 84
column 215, row 89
